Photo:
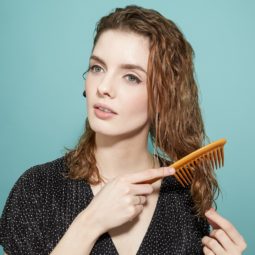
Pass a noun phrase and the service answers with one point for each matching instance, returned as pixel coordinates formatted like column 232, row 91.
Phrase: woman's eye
column 95, row 68
column 133, row 79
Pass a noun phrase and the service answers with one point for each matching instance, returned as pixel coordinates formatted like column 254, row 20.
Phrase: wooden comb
column 212, row 154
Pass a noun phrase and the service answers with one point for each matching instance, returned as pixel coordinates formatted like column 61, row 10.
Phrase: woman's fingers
column 140, row 200
column 141, row 189
column 223, row 239
column 213, row 246
column 149, row 174
column 220, row 243
column 124, row 197
column 227, row 227
column 207, row 251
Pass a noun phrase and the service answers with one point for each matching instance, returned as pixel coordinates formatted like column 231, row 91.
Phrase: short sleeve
column 20, row 223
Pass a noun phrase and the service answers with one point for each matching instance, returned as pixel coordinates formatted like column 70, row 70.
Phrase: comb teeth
column 179, row 179
column 184, row 174
column 219, row 157
column 211, row 156
column 222, row 155
column 189, row 173
column 215, row 159
column 211, row 160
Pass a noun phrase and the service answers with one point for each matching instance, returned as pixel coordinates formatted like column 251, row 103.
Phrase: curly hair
column 176, row 124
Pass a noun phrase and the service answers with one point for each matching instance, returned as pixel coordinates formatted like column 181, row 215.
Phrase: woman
column 93, row 200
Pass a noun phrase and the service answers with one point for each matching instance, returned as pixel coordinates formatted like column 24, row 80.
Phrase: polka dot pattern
column 42, row 204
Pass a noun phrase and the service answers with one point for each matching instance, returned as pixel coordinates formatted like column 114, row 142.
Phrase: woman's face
column 117, row 80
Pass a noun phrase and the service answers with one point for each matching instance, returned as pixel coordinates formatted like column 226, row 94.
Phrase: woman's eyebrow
column 122, row 66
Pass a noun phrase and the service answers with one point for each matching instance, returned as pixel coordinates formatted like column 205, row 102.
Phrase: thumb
column 211, row 221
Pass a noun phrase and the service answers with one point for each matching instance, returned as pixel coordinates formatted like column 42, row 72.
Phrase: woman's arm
column 224, row 239
column 80, row 237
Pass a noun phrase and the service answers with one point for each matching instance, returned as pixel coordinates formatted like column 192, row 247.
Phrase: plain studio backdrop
column 44, row 49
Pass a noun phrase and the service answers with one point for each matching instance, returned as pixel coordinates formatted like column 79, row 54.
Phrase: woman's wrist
column 87, row 223
column 80, row 237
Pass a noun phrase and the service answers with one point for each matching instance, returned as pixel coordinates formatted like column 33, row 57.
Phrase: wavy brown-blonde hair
column 176, row 124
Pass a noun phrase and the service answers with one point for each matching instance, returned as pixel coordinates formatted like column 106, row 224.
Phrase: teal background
column 44, row 49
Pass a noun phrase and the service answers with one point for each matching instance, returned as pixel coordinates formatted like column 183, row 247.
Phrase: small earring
column 84, row 93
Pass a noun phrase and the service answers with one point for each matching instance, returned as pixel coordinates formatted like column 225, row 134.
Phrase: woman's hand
column 122, row 198
column 224, row 238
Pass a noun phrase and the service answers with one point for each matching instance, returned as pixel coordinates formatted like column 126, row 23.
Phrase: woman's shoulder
column 53, row 167
column 33, row 204
column 45, row 175
column 46, row 184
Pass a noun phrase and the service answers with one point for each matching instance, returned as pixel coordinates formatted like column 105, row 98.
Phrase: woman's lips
column 102, row 114
column 103, row 107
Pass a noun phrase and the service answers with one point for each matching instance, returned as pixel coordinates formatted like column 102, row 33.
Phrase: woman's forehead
column 118, row 47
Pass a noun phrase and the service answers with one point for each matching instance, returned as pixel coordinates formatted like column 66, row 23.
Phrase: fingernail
column 170, row 170
column 209, row 212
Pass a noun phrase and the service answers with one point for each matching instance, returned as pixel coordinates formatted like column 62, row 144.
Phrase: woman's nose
column 106, row 87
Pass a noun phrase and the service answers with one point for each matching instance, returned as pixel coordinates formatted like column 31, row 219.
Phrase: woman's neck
column 116, row 157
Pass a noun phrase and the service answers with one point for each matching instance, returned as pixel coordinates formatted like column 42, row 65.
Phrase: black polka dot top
column 42, row 204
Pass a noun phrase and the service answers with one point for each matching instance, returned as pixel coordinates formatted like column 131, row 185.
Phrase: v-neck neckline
column 151, row 224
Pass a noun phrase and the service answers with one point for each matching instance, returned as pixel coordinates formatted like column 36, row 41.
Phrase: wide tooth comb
column 211, row 155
